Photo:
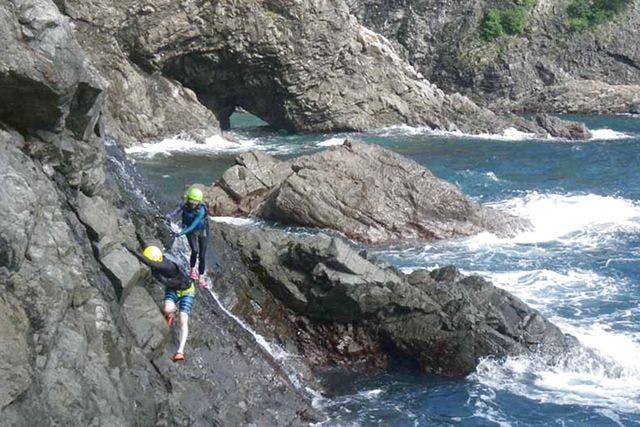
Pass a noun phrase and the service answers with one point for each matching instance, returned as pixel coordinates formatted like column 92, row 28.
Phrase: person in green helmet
column 179, row 292
column 195, row 228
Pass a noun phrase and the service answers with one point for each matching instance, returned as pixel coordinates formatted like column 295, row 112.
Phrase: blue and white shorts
column 184, row 299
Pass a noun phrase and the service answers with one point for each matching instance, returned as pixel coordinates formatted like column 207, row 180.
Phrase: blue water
column 580, row 267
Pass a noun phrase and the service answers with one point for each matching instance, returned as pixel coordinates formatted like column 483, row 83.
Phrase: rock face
column 366, row 192
column 356, row 307
column 45, row 80
column 301, row 66
column 546, row 68
column 82, row 341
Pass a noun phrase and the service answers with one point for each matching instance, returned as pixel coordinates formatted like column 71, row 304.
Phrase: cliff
column 548, row 67
column 300, row 66
column 82, row 341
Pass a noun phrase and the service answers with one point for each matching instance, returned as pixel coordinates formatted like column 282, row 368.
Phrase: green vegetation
column 491, row 28
column 496, row 23
column 585, row 14
column 513, row 20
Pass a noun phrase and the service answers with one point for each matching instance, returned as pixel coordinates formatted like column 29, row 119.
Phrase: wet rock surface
column 340, row 307
column 81, row 336
column 366, row 192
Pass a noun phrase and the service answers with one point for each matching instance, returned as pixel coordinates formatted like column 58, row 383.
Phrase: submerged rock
column 366, row 192
column 365, row 311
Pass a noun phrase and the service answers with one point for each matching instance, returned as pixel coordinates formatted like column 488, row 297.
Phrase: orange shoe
column 194, row 274
column 169, row 319
column 178, row 357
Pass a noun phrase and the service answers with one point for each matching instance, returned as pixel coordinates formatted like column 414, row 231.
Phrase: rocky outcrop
column 300, row 66
column 560, row 129
column 546, row 68
column 583, row 96
column 366, row 192
column 46, row 82
column 140, row 104
column 351, row 308
column 82, row 341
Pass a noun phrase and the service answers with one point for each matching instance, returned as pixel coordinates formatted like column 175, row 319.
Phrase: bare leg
column 184, row 331
column 169, row 308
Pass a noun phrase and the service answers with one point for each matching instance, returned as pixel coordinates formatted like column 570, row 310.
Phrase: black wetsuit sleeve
column 165, row 268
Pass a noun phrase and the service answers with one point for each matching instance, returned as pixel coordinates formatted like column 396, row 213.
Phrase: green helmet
column 195, row 194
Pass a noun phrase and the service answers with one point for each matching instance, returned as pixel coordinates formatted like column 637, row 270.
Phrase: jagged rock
column 125, row 270
column 79, row 357
column 15, row 369
column 582, row 97
column 93, row 212
column 141, row 104
column 307, row 67
column 145, row 321
column 561, row 129
column 442, row 319
column 17, row 213
column 366, row 192
column 46, row 81
column 547, row 68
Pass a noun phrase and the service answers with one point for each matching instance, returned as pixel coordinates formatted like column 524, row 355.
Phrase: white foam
column 509, row 134
column 212, row 145
column 547, row 290
column 492, row 176
column 331, row 142
column 586, row 218
column 234, row 220
column 576, row 382
column 622, row 349
column 608, row 134
column 370, row 394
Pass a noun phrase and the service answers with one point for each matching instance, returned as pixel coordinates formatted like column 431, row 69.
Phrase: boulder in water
column 366, row 192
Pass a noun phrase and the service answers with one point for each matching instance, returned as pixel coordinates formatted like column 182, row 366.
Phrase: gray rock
column 17, row 212
column 306, row 67
column 547, row 68
column 144, row 319
column 78, row 356
column 124, row 269
column 15, row 367
column 442, row 319
column 45, row 78
column 559, row 129
column 94, row 213
column 366, row 192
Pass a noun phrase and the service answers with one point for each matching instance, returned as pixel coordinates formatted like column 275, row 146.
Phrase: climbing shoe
column 194, row 274
column 178, row 357
column 203, row 282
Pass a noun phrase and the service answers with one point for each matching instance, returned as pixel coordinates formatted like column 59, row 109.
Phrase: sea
column 579, row 265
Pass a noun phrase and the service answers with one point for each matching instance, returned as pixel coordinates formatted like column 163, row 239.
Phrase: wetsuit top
column 192, row 219
column 167, row 271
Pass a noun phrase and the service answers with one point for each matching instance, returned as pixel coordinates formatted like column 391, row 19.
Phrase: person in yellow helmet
column 179, row 293
column 194, row 223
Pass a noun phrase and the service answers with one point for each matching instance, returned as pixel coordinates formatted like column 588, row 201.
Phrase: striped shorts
column 184, row 299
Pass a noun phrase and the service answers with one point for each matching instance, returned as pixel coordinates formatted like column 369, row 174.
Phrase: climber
column 179, row 293
column 195, row 227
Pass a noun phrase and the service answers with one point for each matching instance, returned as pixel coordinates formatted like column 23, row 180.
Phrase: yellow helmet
column 153, row 253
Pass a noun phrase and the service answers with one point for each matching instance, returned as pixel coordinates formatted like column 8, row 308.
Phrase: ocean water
column 580, row 266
